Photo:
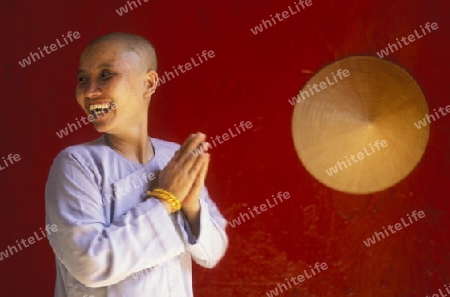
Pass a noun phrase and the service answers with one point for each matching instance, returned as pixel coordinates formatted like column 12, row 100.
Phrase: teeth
column 99, row 106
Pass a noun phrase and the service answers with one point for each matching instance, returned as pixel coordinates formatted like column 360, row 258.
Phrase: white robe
column 111, row 240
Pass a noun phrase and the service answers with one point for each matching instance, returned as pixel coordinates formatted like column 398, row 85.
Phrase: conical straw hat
column 373, row 100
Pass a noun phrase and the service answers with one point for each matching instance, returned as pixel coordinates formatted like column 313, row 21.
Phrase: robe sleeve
column 210, row 246
column 95, row 252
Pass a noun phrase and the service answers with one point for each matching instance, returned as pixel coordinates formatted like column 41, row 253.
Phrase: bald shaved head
column 117, row 69
column 133, row 42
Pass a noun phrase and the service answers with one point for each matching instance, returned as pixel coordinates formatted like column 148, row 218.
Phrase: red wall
column 250, row 78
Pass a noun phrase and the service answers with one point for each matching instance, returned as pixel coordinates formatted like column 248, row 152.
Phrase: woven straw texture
column 377, row 101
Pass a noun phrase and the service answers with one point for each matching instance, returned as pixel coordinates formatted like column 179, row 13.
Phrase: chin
column 102, row 128
column 104, row 124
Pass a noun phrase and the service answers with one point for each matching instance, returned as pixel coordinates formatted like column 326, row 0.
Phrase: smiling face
column 115, row 80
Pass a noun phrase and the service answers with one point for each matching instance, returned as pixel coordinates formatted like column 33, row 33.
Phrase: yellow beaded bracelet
column 161, row 194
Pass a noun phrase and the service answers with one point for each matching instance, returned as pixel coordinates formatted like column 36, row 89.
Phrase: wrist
column 191, row 206
column 191, row 213
column 191, row 209
column 170, row 202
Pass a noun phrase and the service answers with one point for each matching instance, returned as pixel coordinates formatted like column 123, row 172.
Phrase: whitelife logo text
column 380, row 235
column 169, row 75
column 299, row 279
column 281, row 16
column 360, row 155
column 323, row 85
column 225, row 137
column 263, row 207
column 33, row 56
column 10, row 160
column 11, row 250
column 412, row 37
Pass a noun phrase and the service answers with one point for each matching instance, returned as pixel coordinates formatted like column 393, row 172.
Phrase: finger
column 198, row 164
column 183, row 147
column 191, row 143
column 204, row 170
column 193, row 150
column 196, row 185
column 199, row 181
column 201, row 176
column 205, row 146
column 201, row 149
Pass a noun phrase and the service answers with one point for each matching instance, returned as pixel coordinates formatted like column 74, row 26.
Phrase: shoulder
column 84, row 153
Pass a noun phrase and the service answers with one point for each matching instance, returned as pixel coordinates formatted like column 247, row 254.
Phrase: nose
column 92, row 90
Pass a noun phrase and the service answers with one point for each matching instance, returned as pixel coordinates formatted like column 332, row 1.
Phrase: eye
column 106, row 74
column 82, row 79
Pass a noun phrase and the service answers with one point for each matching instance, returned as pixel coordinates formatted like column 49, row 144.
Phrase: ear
column 151, row 83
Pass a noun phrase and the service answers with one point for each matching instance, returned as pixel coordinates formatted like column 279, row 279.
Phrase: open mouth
column 99, row 110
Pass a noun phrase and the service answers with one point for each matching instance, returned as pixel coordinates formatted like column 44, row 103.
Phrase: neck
column 134, row 145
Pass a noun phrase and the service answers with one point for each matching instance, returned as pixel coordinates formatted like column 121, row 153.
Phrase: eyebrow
column 103, row 65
